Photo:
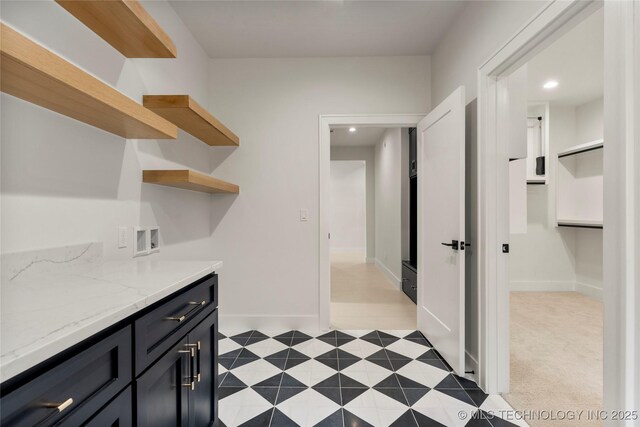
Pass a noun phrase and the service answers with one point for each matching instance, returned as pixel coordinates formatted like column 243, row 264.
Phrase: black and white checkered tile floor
column 345, row 379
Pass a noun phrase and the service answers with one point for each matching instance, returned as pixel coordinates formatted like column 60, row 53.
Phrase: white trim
column 324, row 155
column 579, row 287
column 546, row 286
column 239, row 322
column 395, row 280
column 589, row 290
column 370, row 260
column 621, row 235
column 547, row 25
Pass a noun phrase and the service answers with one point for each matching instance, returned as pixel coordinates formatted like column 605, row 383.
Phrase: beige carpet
column 556, row 354
column 363, row 298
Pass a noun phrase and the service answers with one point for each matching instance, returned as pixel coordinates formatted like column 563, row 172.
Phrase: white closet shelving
column 580, row 186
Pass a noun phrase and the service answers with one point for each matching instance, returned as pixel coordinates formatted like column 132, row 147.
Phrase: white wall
column 389, row 204
column 271, row 258
column 543, row 258
column 478, row 32
column 588, row 244
column 366, row 154
column 64, row 182
column 348, row 207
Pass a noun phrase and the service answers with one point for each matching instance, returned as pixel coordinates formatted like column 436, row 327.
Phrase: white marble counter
column 49, row 305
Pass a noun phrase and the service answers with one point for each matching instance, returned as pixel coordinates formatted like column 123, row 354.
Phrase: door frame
column 622, row 194
column 325, row 123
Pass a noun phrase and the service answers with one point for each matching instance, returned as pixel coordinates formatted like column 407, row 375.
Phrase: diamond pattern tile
column 344, row 378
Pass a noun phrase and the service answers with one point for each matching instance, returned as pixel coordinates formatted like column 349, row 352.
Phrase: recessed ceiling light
column 550, row 84
column 352, row 129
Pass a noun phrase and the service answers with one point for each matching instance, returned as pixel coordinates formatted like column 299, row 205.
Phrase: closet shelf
column 189, row 180
column 37, row 75
column 582, row 148
column 125, row 25
column 580, row 223
column 188, row 115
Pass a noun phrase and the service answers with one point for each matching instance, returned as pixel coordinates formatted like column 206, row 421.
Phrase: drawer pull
column 60, row 406
column 183, row 317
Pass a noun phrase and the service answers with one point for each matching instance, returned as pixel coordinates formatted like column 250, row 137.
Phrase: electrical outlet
column 122, row 237
column 304, row 215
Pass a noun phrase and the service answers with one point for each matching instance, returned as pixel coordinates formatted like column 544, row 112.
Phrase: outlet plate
column 140, row 241
column 154, row 239
column 122, row 237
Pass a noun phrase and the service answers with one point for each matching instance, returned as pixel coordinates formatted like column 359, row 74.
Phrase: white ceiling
column 576, row 61
column 361, row 137
column 280, row 29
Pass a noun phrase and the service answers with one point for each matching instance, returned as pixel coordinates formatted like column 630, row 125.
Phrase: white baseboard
column 349, row 251
column 238, row 322
column 370, row 260
column 546, row 286
column 583, row 288
column 395, row 280
column 589, row 290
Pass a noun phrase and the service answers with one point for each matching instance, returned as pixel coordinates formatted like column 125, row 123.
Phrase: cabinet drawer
column 71, row 392
column 118, row 413
column 157, row 331
column 410, row 282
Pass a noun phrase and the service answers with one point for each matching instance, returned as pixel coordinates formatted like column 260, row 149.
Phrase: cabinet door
column 162, row 394
column 203, row 400
column 413, row 152
column 118, row 413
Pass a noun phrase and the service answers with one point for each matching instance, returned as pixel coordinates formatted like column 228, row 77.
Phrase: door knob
column 453, row 245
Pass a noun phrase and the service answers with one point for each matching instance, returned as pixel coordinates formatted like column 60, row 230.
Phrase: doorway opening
column 369, row 226
column 556, row 228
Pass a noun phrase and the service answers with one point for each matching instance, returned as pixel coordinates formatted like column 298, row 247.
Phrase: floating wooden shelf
column 189, row 180
column 125, row 25
column 188, row 115
column 37, row 75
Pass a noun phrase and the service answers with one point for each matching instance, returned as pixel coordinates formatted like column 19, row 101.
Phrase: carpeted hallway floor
column 556, row 354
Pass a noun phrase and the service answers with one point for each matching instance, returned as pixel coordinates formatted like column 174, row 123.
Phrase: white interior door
column 441, row 234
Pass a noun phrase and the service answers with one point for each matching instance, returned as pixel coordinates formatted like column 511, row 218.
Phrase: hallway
column 363, row 298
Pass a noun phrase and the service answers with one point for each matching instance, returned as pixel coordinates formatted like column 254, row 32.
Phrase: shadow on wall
column 219, row 208
column 186, row 151
column 182, row 215
column 60, row 156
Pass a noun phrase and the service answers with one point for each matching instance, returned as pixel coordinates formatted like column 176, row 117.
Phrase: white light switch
column 304, row 215
column 122, row 237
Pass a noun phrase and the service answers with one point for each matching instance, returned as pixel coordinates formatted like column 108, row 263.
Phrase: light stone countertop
column 48, row 305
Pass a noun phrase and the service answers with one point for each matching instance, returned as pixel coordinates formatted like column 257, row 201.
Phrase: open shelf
column 188, row 115
column 37, row 75
column 189, row 180
column 582, row 148
column 580, row 223
column 125, row 25
column 580, row 186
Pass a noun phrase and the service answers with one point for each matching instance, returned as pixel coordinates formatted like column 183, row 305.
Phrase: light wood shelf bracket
column 125, row 25
column 33, row 73
column 188, row 115
column 189, row 180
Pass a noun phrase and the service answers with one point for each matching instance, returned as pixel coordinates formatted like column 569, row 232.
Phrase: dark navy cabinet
column 156, row 368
